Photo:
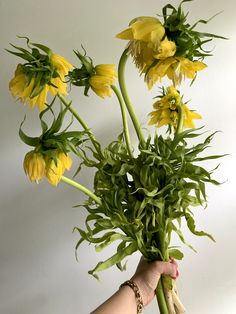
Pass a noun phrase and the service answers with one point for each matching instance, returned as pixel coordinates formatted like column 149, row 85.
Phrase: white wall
column 38, row 270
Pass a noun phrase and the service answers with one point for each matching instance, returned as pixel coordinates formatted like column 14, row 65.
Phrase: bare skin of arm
column 146, row 277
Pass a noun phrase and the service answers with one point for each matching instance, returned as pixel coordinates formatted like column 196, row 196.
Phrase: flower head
column 43, row 72
column 104, row 77
column 99, row 78
column 34, row 166
column 167, row 110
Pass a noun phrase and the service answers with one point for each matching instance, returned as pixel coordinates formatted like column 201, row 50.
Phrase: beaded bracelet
column 138, row 297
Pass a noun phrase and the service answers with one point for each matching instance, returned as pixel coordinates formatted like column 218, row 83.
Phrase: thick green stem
column 180, row 119
column 160, row 293
column 124, row 119
column 82, row 189
column 133, row 116
column 82, row 123
column 161, row 298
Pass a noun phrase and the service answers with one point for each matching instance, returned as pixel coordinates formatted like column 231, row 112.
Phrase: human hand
column 148, row 274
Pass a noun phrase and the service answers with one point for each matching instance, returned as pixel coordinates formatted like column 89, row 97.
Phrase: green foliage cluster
column 144, row 199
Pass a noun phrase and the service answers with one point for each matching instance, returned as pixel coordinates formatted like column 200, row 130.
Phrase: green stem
column 161, row 298
column 83, row 124
column 133, row 116
column 124, row 119
column 82, row 189
column 160, row 294
column 180, row 120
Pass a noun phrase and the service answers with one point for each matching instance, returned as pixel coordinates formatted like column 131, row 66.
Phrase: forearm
column 123, row 301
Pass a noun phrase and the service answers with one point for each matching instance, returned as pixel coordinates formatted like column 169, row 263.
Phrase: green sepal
column 47, row 50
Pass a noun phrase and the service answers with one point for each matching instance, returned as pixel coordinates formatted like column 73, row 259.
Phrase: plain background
column 38, row 269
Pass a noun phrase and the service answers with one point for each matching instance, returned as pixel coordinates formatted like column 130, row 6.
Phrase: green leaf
column 192, row 227
column 115, row 259
column 31, row 141
column 110, row 239
column 176, row 254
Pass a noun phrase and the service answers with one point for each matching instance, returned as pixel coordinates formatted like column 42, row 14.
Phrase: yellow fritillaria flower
column 54, row 171
column 167, row 111
column 34, row 166
column 103, row 79
column 176, row 68
column 189, row 116
column 144, row 34
column 23, row 85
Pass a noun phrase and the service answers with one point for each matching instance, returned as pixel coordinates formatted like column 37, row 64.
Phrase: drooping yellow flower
column 34, row 166
column 54, row 171
column 167, row 110
column 30, row 90
column 189, row 116
column 176, row 68
column 144, row 34
column 103, row 79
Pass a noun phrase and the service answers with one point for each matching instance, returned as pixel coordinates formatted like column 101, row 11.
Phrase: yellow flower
column 33, row 92
column 189, row 116
column 166, row 49
column 176, row 68
column 54, row 171
column 103, row 79
column 144, row 34
column 65, row 160
column 167, row 111
column 34, row 166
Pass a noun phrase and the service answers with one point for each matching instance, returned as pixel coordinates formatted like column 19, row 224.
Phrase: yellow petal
column 54, row 171
column 127, row 34
column 167, row 48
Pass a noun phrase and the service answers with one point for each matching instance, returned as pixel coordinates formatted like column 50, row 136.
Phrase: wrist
column 130, row 284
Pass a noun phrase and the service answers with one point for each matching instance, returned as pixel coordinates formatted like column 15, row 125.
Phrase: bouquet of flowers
column 141, row 194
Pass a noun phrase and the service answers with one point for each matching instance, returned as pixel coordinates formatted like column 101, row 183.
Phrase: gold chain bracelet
column 138, row 297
